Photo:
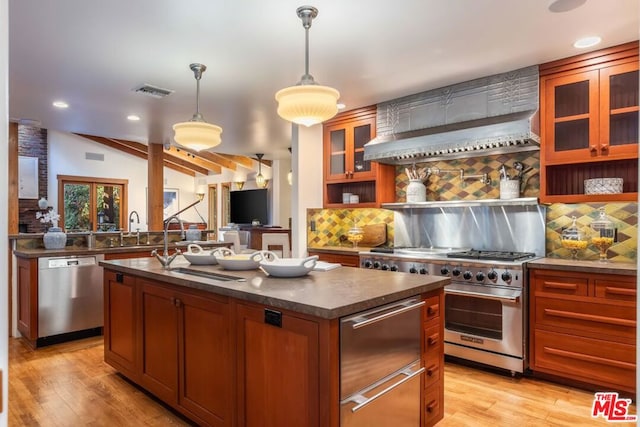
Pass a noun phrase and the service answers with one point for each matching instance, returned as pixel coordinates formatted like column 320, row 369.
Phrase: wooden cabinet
column 433, row 358
column 589, row 111
column 120, row 332
column 277, row 356
column 345, row 170
column 583, row 327
column 348, row 260
column 27, row 275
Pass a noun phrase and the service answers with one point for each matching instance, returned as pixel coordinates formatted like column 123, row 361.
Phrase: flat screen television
column 248, row 205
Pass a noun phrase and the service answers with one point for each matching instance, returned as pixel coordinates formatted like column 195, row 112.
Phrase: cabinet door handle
column 431, row 406
column 432, row 309
column 433, row 339
column 594, row 149
column 604, row 148
column 431, row 370
column 178, row 302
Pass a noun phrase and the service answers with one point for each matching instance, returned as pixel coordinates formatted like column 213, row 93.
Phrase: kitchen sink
column 208, row 275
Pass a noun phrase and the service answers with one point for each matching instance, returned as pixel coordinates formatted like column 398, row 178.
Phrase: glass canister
column 192, row 234
column 355, row 235
column 573, row 239
column 604, row 234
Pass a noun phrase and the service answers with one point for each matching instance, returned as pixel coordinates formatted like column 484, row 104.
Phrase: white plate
column 198, row 256
column 288, row 267
column 232, row 261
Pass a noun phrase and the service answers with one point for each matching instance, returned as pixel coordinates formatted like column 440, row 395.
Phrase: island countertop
column 324, row 294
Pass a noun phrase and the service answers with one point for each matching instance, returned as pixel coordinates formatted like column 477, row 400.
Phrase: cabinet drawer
column 603, row 363
column 617, row 288
column 431, row 308
column 597, row 319
column 561, row 285
column 433, row 408
column 432, row 352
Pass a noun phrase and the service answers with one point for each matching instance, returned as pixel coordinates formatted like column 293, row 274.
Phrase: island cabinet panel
column 347, row 260
column 27, row 271
column 583, row 328
column 278, row 375
column 433, row 358
column 120, row 334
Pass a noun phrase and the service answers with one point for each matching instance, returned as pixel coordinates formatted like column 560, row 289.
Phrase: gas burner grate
column 492, row 255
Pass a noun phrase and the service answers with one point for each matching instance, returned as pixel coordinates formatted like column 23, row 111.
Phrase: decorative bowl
column 198, row 256
column 288, row 267
column 603, row 186
column 232, row 261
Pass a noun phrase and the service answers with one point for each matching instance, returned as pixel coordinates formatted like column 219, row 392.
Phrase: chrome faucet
column 131, row 219
column 166, row 259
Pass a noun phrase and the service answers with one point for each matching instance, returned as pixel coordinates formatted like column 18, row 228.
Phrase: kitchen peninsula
column 252, row 349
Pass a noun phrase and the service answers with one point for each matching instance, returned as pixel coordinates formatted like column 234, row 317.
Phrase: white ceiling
column 91, row 54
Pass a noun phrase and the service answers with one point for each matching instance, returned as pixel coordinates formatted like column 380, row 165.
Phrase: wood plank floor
column 70, row 385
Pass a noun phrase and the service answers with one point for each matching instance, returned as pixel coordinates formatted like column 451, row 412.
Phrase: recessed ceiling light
column 341, row 106
column 558, row 6
column 60, row 104
column 587, row 42
column 133, row 118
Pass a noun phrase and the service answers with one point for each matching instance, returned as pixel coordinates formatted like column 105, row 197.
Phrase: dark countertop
column 325, row 294
column 71, row 251
column 584, row 266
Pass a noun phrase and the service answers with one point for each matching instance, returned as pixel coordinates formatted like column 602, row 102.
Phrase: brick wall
column 32, row 142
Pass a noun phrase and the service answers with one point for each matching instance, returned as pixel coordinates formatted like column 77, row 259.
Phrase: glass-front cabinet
column 346, row 149
column 589, row 124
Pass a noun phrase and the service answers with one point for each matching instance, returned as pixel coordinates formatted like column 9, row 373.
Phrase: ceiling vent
column 153, row 91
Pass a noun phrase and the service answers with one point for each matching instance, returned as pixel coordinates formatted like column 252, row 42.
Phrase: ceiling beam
column 193, row 158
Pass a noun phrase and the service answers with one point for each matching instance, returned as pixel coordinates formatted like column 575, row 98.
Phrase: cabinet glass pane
column 361, row 135
column 338, row 146
column 572, row 99
column 76, row 207
column 572, row 135
column 623, row 128
column 623, row 90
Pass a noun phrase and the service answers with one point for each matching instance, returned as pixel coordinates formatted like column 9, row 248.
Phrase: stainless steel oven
column 485, row 304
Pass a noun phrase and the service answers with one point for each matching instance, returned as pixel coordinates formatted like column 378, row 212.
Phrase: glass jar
column 573, row 239
column 604, row 234
column 355, row 235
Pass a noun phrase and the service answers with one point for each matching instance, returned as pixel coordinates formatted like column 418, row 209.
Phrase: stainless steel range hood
column 492, row 115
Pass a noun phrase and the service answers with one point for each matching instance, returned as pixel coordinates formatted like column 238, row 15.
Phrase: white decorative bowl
column 288, row 267
column 198, row 256
column 603, row 186
column 232, row 261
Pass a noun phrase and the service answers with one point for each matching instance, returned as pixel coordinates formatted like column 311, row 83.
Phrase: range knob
column 444, row 270
column 376, row 264
column 480, row 276
column 394, row 268
column 492, row 275
column 385, row 267
column 413, row 270
column 506, row 276
column 423, row 270
column 467, row 275
column 455, row 271
column 367, row 264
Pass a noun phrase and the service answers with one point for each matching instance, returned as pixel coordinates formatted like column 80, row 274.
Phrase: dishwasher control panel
column 71, row 262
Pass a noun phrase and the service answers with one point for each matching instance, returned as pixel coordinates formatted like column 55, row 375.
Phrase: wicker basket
column 603, row 186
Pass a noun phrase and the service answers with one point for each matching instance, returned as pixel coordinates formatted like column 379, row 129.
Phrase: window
column 97, row 204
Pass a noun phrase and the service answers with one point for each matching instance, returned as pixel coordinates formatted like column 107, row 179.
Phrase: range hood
column 492, row 115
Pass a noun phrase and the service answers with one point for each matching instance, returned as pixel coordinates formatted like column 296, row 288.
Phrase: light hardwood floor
column 70, row 385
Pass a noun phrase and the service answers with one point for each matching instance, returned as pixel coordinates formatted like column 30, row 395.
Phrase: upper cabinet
column 345, row 170
column 589, row 112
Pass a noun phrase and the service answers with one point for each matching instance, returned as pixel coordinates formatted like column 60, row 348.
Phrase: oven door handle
column 513, row 296
column 404, row 308
column 363, row 401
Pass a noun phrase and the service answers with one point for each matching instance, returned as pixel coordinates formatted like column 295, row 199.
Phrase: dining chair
column 277, row 243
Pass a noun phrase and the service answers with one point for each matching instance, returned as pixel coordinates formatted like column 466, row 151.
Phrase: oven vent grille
column 153, row 91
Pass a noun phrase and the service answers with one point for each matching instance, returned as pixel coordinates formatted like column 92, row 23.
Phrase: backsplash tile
column 623, row 215
column 332, row 224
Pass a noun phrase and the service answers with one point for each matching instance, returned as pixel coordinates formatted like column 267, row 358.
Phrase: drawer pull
column 620, row 291
column 431, row 406
column 432, row 370
column 591, row 359
column 559, row 285
column 433, row 309
column 433, row 339
column 590, row 317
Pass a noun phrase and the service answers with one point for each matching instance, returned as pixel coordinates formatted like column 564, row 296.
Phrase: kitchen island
column 254, row 350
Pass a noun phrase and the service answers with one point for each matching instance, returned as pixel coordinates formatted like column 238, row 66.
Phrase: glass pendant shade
column 196, row 135
column 261, row 181
column 307, row 104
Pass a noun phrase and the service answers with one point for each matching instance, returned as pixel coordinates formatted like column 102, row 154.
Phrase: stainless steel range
column 485, row 304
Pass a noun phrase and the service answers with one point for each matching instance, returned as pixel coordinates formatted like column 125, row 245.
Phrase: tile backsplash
column 330, row 226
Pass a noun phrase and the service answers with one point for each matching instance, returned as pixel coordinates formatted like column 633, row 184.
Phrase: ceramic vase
column 416, row 191
column 192, row 234
column 55, row 238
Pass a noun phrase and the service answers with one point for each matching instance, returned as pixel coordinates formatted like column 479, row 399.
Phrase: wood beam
column 193, row 158
column 155, row 187
column 243, row 161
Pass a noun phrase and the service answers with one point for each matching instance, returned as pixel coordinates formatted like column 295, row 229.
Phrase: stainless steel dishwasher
column 69, row 298
column 380, row 366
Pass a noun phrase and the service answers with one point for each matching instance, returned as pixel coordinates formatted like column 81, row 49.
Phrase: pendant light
column 261, row 181
column 196, row 134
column 307, row 103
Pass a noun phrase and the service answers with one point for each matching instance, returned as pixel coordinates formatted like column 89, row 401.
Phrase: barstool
column 277, row 243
